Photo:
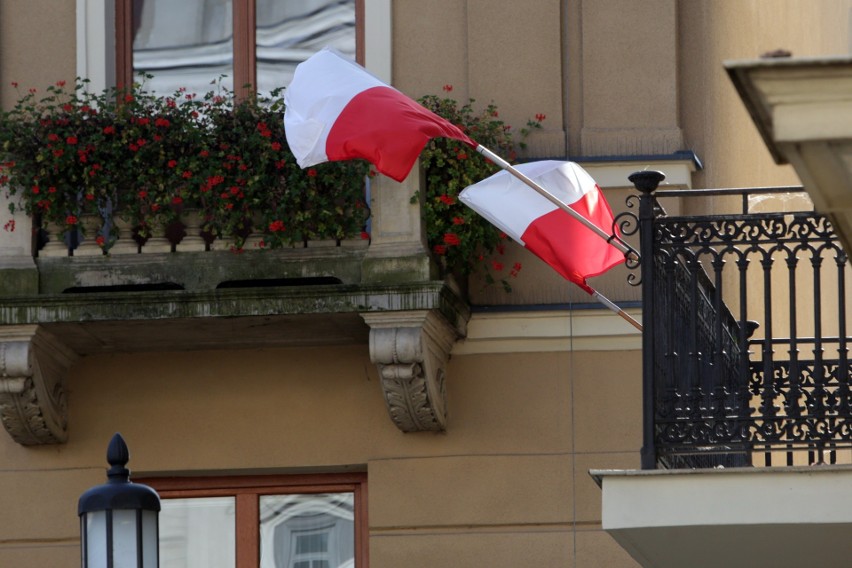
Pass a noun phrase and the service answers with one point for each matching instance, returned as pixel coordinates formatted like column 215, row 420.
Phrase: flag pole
column 611, row 305
column 611, row 239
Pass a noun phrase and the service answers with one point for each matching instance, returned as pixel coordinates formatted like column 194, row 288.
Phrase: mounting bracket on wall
column 411, row 350
column 33, row 369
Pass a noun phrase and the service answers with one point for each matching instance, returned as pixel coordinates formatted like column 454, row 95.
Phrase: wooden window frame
column 247, row 490
column 245, row 60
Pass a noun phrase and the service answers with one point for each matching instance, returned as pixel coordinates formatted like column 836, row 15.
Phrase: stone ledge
column 270, row 316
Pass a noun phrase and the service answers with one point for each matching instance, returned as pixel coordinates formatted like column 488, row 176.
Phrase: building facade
column 287, row 414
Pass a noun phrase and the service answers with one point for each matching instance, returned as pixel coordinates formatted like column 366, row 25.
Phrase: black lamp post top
column 117, row 456
column 118, row 492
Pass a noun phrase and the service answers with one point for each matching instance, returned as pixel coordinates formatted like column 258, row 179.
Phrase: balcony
column 747, row 401
column 56, row 307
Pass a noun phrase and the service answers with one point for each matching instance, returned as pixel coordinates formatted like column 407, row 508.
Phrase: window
column 190, row 43
column 306, row 521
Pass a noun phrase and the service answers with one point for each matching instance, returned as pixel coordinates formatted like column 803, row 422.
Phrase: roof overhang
column 803, row 110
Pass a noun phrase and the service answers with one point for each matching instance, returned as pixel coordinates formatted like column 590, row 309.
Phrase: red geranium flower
column 447, row 199
column 451, row 239
column 70, row 220
column 439, row 249
column 312, row 172
column 71, row 140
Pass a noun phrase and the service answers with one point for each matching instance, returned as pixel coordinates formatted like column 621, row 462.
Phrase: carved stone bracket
column 33, row 367
column 411, row 349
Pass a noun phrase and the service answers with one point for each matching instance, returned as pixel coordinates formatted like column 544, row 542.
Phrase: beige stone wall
column 715, row 122
column 506, row 485
column 25, row 55
column 500, row 51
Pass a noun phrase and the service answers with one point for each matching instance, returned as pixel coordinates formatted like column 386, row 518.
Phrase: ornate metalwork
column 33, row 366
column 749, row 355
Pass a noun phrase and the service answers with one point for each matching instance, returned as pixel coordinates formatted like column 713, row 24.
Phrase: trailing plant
column 148, row 159
column 459, row 238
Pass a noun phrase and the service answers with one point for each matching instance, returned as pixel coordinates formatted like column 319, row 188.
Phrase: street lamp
column 118, row 520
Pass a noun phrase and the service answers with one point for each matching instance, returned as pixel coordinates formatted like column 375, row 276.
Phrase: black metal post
column 646, row 182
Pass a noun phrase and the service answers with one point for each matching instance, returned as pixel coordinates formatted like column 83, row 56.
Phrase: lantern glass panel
column 96, row 539
column 124, row 539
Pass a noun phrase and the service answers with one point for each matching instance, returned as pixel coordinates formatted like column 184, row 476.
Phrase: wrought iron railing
column 745, row 347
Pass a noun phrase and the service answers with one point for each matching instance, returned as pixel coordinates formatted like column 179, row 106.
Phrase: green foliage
column 460, row 239
column 149, row 158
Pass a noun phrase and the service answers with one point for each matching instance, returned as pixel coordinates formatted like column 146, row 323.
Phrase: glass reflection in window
column 290, row 32
column 198, row 533
column 183, row 44
column 307, row 531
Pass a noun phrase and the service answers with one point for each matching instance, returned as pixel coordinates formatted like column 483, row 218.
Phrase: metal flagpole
column 611, row 305
column 611, row 239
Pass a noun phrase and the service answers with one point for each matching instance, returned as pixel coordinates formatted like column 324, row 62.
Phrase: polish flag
column 336, row 110
column 560, row 240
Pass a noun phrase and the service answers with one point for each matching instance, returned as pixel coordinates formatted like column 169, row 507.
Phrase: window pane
column 198, row 533
column 290, row 32
column 183, row 44
column 307, row 531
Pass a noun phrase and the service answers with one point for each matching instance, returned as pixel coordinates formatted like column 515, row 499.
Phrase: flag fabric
column 529, row 218
column 336, row 110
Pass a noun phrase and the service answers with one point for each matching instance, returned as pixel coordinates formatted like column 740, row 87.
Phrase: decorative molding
column 549, row 331
column 33, row 369
column 411, row 350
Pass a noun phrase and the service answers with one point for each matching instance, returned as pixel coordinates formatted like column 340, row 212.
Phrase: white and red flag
column 574, row 250
column 336, row 110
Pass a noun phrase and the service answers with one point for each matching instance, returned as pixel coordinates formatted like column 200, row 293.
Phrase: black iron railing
column 745, row 347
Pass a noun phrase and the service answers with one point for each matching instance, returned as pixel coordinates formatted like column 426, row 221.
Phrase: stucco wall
column 506, row 485
column 500, row 51
column 715, row 122
column 37, row 45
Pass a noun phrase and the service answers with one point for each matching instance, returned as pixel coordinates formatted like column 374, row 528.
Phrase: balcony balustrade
column 65, row 301
column 745, row 345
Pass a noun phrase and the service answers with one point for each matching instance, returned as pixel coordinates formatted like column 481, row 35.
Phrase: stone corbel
column 411, row 350
column 33, row 367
